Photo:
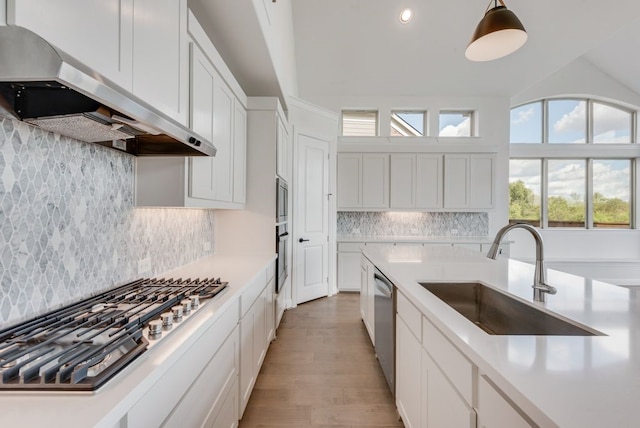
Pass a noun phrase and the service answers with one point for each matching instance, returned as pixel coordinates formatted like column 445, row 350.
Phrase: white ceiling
column 359, row 47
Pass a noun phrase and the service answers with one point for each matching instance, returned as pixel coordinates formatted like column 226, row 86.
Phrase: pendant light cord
column 495, row 4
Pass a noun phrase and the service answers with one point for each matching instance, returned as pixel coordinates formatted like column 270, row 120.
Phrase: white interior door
column 312, row 246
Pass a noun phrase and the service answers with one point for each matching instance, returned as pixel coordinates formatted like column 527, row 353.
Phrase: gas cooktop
column 81, row 346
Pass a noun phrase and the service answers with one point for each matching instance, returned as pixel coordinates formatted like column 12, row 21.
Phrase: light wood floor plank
column 321, row 372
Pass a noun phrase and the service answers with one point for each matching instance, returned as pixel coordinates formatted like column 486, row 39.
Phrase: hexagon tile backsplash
column 68, row 227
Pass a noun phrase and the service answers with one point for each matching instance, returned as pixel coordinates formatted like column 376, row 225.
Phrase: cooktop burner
column 81, row 346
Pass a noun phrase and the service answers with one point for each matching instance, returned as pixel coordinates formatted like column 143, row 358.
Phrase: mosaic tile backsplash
column 413, row 223
column 68, row 227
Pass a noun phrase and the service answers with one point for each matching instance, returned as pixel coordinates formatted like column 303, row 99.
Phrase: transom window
column 408, row 123
column 359, row 123
column 456, row 124
column 558, row 177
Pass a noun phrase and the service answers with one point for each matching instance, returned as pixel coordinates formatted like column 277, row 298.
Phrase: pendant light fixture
column 498, row 34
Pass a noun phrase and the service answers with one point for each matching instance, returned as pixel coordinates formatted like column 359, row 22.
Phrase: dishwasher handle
column 383, row 285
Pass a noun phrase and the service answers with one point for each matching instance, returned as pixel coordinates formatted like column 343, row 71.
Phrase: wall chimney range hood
column 43, row 86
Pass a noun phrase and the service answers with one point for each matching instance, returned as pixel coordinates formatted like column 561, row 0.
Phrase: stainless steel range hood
column 44, row 86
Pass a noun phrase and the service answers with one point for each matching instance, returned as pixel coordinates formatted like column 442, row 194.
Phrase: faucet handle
column 546, row 288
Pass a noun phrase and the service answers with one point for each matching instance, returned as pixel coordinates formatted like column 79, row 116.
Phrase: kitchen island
column 509, row 380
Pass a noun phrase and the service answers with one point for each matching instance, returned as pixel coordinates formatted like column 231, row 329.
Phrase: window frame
column 589, row 152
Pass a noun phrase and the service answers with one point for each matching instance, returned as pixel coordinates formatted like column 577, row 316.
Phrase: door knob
column 302, row 240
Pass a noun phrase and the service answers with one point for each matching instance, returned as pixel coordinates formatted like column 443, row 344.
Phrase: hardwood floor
column 321, row 371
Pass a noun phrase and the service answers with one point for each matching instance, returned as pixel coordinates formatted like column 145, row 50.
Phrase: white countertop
column 565, row 381
column 111, row 402
column 416, row 238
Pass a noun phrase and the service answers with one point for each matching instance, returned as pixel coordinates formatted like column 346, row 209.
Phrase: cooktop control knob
column 177, row 313
column 195, row 301
column 186, row 305
column 155, row 329
column 167, row 320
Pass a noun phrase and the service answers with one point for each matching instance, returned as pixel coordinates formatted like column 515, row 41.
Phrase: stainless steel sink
column 497, row 313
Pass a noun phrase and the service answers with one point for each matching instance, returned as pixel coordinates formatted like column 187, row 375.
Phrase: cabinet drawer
column 456, row 367
column 410, row 315
column 252, row 292
column 350, row 246
column 495, row 411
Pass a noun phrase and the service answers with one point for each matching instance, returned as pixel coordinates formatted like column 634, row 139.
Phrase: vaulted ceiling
column 359, row 47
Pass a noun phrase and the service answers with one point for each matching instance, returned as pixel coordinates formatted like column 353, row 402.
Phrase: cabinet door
column 270, row 311
column 247, row 371
column 408, row 378
column 429, row 178
column 481, row 181
column 160, row 55
column 349, row 180
column 223, row 124
column 494, row 411
column 444, row 407
column 456, row 181
column 260, row 331
column 363, row 289
column 375, row 181
column 348, row 271
column 371, row 307
column 403, row 181
column 239, row 154
column 74, row 25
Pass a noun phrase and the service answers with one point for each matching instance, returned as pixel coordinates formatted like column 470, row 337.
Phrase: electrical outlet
column 414, row 231
column 207, row 246
column 454, row 231
column 144, row 266
column 355, row 231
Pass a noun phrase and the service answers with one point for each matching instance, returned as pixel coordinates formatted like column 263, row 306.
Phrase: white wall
column 492, row 117
column 276, row 20
column 593, row 253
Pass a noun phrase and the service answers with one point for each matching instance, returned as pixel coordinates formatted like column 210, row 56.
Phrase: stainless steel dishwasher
column 385, row 327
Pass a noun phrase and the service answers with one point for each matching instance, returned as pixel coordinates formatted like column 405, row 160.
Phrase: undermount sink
column 499, row 314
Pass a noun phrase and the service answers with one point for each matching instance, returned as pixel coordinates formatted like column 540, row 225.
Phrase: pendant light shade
column 498, row 34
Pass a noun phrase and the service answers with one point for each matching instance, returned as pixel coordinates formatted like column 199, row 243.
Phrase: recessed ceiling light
column 406, row 15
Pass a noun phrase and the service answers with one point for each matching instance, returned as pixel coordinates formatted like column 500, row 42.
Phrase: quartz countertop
column 416, row 238
column 111, row 402
column 564, row 381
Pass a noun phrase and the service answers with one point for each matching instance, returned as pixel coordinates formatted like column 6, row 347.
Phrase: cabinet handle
column 303, row 240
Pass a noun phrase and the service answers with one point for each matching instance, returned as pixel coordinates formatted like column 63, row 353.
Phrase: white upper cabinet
column 223, row 125
column 429, row 181
column 410, row 181
column 161, row 55
column 468, row 181
column 403, row 181
column 239, row 154
column 416, row 181
column 349, row 180
column 216, row 112
column 97, row 32
column 363, row 181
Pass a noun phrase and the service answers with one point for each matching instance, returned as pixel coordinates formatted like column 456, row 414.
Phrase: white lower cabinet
column 444, row 406
column 256, row 306
column 433, row 389
column 408, row 368
column 196, row 389
column 367, row 309
column 494, row 411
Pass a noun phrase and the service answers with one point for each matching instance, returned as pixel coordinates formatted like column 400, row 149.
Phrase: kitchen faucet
column 540, row 287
